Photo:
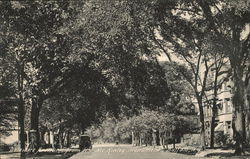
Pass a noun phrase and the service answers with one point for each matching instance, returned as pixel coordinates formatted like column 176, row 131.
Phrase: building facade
column 224, row 109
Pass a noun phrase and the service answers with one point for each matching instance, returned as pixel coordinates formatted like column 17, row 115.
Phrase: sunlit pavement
column 9, row 155
column 127, row 152
column 42, row 154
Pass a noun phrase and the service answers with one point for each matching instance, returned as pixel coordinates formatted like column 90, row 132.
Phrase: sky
column 162, row 57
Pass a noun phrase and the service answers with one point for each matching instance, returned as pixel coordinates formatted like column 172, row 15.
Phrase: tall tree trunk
column 140, row 140
column 21, row 114
column 68, row 139
column 42, row 134
column 214, row 109
column 202, row 133
column 158, row 138
column 21, row 108
column 166, row 140
column 60, row 136
column 53, row 141
column 48, row 136
column 238, row 122
column 133, row 138
column 153, row 137
column 247, row 106
column 173, row 142
column 35, row 110
column 64, row 138
column 60, row 139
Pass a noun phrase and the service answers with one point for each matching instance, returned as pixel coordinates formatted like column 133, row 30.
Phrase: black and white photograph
column 124, row 79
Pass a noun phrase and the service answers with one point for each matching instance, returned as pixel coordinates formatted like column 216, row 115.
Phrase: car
column 85, row 142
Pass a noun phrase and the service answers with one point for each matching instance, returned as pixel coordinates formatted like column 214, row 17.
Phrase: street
column 127, row 152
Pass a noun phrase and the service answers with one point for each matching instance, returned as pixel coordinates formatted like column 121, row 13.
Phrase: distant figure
column 117, row 142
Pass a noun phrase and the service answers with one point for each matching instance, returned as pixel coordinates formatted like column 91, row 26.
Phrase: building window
column 227, row 105
column 229, row 124
column 196, row 121
column 192, row 109
column 225, row 86
column 220, row 108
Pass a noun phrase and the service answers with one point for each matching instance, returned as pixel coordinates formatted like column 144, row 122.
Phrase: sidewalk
column 42, row 154
column 12, row 155
column 215, row 152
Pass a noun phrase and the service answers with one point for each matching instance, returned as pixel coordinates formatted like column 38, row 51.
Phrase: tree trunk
column 247, row 99
column 49, row 137
column 21, row 108
column 213, row 126
column 214, row 110
column 64, row 138
column 35, row 109
column 68, row 139
column 137, row 139
column 238, row 122
column 166, row 140
column 214, row 107
column 21, row 114
column 173, row 135
column 202, row 133
column 158, row 138
column 53, row 141
column 60, row 139
column 140, row 140
column 238, row 129
column 42, row 132
column 133, row 139
column 154, row 138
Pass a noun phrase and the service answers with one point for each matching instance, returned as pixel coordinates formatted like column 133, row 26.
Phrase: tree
column 12, row 74
column 153, row 126
column 219, row 74
column 33, row 37
column 183, row 26
column 77, row 105
column 225, row 20
column 41, row 36
column 8, row 104
column 128, row 65
column 181, row 93
column 190, row 50
column 228, row 24
column 184, row 37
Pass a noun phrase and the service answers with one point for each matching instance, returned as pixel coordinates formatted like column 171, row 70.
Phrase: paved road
column 128, row 152
column 9, row 155
column 133, row 155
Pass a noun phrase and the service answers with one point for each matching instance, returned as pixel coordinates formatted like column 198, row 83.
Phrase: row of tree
column 51, row 47
column 67, row 70
column 148, row 128
column 202, row 33
column 206, row 36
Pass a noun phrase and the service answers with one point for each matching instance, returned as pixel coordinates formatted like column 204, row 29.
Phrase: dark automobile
column 85, row 142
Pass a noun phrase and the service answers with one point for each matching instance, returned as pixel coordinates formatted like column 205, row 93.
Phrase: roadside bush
column 183, row 151
column 223, row 140
column 5, row 147
column 143, row 126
